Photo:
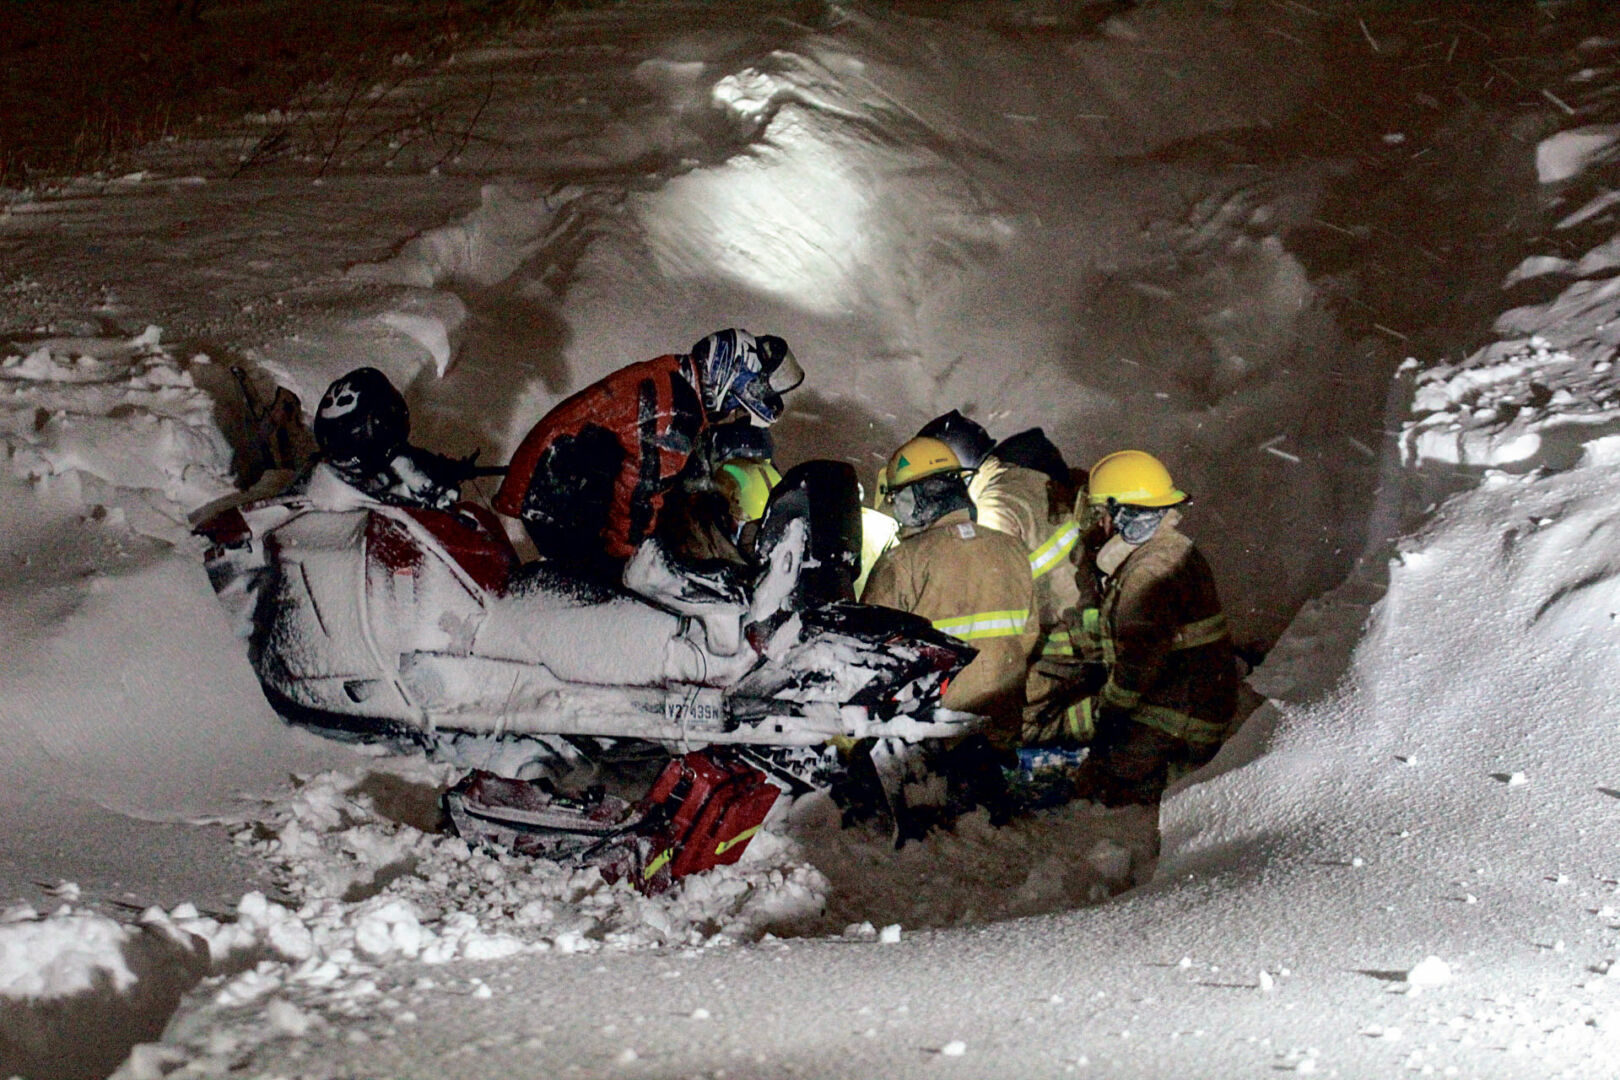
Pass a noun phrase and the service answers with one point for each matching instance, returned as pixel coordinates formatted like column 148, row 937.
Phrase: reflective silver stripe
column 1054, row 550
column 984, row 624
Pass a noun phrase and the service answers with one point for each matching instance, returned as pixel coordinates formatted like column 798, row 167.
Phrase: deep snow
column 1124, row 232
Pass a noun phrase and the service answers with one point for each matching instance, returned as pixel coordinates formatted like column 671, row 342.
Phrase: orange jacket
column 654, row 414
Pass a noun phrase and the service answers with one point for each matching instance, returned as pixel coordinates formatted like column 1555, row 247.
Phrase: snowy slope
column 995, row 206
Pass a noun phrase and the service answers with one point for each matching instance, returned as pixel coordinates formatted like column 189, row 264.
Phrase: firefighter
column 969, row 581
column 589, row 479
column 1022, row 487
column 1165, row 690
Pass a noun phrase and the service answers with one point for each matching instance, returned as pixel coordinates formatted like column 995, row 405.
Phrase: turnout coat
column 973, row 583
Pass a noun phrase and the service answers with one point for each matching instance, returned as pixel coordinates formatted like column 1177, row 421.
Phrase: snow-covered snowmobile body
column 371, row 621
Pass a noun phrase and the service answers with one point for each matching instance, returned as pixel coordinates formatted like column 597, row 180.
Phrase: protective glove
column 1075, row 678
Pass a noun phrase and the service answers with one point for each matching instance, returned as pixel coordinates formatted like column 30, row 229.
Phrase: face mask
column 1137, row 523
column 905, row 507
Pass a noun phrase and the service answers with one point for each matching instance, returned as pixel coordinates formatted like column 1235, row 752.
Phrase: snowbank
column 123, row 682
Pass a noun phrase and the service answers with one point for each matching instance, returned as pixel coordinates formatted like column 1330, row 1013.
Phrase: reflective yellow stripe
column 1116, row 696
column 1094, row 637
column 741, row 838
column 1058, row 643
column 1089, row 643
column 658, row 863
column 1077, row 723
column 1202, row 632
column 984, row 624
column 1179, row 725
column 1054, row 550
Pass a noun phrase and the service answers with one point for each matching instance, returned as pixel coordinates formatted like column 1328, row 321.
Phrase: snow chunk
column 1568, row 153
column 1430, row 972
column 1535, row 266
column 288, row 1018
column 432, row 320
column 114, row 422
column 61, row 956
column 484, row 247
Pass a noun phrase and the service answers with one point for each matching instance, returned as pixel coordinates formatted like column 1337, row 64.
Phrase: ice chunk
column 1430, row 972
column 426, row 331
column 288, row 1018
column 62, row 956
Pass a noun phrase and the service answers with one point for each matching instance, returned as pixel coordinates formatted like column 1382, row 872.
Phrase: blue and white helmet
column 738, row 370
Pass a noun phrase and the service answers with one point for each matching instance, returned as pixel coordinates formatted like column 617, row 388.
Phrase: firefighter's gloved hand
column 1076, row 678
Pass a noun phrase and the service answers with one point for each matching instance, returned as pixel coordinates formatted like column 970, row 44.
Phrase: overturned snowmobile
column 379, row 622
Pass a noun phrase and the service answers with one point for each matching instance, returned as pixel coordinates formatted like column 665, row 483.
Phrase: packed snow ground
column 1401, row 864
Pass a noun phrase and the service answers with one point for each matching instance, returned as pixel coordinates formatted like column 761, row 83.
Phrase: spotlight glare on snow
column 792, row 226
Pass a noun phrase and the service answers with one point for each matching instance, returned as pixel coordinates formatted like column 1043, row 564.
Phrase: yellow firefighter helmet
column 1132, row 478
column 920, row 457
column 747, row 483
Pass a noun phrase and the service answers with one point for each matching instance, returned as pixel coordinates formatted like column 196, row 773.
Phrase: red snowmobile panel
column 474, row 538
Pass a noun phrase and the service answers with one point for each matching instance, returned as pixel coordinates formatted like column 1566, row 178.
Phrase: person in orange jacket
column 589, row 479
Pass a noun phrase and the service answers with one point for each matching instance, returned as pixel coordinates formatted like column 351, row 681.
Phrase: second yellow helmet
column 1132, row 478
column 747, row 483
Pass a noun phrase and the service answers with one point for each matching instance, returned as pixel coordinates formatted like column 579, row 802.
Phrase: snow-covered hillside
column 1266, row 241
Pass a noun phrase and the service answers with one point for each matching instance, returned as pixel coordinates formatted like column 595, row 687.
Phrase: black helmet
column 362, row 419
column 967, row 438
column 1031, row 449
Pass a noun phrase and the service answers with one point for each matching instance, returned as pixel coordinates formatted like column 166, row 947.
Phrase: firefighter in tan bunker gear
column 1022, row 487
column 970, row 582
column 1157, row 636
